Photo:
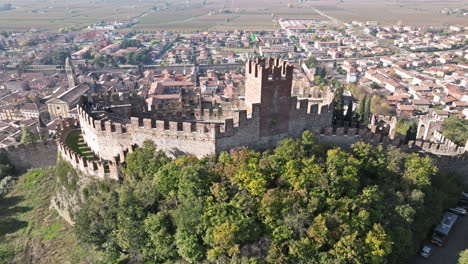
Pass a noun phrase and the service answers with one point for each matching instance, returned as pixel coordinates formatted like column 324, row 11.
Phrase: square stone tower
column 269, row 83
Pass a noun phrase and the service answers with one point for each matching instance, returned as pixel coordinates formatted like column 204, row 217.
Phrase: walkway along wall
column 100, row 169
column 107, row 139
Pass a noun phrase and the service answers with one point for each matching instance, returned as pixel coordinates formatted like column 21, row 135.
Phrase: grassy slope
column 30, row 232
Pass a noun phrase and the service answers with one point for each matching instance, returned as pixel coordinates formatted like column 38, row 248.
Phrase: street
column 456, row 242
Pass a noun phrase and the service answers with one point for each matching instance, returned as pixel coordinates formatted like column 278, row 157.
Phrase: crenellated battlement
column 446, row 148
column 344, row 137
column 208, row 114
column 96, row 168
column 137, row 123
column 268, row 115
column 112, row 98
column 273, row 69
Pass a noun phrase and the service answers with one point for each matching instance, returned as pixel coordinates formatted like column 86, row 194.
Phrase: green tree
column 98, row 61
column 166, row 179
column 298, row 203
column 162, row 244
column 456, row 129
column 248, row 174
column 97, row 219
column 367, row 111
column 144, row 162
column 342, row 173
column 56, row 57
column 338, row 103
column 378, row 243
column 348, row 249
column 311, row 62
column 407, row 128
column 361, row 111
column 126, row 43
column 349, row 112
column 27, row 137
column 224, row 237
column 6, row 168
column 188, row 246
column 322, row 72
column 463, row 257
column 419, row 171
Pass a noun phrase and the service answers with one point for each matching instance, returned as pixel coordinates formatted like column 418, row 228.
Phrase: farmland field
column 202, row 15
column 55, row 14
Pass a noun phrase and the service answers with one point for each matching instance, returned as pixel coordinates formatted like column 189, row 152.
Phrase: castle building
column 112, row 125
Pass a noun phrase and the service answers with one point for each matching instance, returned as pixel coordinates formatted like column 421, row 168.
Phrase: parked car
column 458, row 210
column 463, row 201
column 426, row 251
column 464, row 195
column 437, row 239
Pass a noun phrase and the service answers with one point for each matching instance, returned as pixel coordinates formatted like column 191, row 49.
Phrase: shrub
column 6, row 184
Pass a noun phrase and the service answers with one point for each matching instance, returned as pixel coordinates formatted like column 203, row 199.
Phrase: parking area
column 456, row 242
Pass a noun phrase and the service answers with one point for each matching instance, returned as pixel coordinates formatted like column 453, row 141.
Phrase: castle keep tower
column 269, row 84
column 71, row 75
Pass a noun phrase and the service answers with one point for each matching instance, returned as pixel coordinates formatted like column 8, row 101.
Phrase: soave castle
column 113, row 125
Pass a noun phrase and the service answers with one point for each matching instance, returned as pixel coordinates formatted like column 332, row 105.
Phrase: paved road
column 457, row 241
column 335, row 20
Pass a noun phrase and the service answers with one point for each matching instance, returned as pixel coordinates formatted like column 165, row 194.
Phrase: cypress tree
column 349, row 112
column 338, row 103
column 27, row 137
column 367, row 110
column 361, row 109
column 323, row 72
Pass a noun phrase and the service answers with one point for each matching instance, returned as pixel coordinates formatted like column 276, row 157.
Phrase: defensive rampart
column 31, row 156
column 446, row 148
column 107, row 138
column 95, row 168
column 344, row 137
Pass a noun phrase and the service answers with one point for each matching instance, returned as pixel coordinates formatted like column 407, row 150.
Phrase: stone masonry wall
column 32, row 156
column 107, row 139
column 94, row 168
column 271, row 115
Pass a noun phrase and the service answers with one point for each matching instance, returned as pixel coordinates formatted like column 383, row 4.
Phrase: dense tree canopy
column 456, row 129
column 56, row 57
column 130, row 43
column 299, row 203
column 6, row 168
column 27, row 136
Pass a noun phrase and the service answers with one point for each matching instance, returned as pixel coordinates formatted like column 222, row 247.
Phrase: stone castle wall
column 107, row 139
column 446, row 148
column 270, row 115
column 95, row 168
column 32, row 156
column 344, row 137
